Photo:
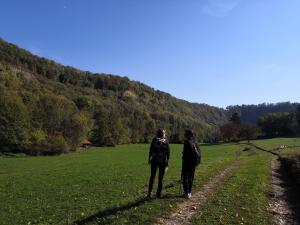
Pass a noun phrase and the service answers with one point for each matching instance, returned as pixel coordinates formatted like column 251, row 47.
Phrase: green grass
column 108, row 186
column 243, row 198
column 108, row 183
column 291, row 153
column 277, row 142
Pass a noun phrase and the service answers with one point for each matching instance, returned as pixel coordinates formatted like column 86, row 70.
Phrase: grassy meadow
column 104, row 185
column 109, row 185
column 243, row 199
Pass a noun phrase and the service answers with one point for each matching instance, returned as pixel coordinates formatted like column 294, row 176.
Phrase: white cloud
column 219, row 8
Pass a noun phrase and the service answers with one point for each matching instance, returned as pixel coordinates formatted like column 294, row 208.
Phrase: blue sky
column 219, row 52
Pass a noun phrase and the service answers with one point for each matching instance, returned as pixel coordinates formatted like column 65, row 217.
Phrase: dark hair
column 160, row 133
column 189, row 132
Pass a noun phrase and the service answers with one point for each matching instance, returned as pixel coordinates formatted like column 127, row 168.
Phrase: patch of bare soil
column 184, row 211
column 280, row 206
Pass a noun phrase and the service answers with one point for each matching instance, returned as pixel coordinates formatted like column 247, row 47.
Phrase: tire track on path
column 184, row 211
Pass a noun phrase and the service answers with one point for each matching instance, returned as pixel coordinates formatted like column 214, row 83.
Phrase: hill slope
column 47, row 105
column 251, row 113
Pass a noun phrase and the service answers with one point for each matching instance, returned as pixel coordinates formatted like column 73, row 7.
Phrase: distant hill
column 251, row 113
column 45, row 104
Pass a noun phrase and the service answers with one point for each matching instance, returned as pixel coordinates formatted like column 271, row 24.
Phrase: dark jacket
column 187, row 154
column 164, row 147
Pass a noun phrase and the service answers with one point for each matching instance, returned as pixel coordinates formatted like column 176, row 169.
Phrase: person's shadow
column 112, row 211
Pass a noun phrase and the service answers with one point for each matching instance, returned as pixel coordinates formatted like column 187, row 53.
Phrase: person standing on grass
column 191, row 157
column 159, row 155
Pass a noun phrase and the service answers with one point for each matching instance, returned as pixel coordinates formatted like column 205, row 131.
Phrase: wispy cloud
column 219, row 8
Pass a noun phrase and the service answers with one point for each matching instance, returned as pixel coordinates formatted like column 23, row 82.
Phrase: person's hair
column 189, row 132
column 160, row 132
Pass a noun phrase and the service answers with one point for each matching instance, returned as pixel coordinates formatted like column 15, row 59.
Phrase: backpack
column 160, row 150
column 195, row 154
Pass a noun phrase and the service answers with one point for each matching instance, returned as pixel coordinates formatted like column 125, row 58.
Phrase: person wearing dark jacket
column 159, row 155
column 190, row 159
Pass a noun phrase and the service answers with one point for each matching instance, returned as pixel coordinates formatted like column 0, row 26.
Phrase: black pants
column 162, row 167
column 188, row 173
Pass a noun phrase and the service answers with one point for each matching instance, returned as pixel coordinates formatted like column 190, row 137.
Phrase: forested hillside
column 48, row 108
column 252, row 113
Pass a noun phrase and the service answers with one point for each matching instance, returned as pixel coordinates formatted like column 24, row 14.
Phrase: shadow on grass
column 291, row 189
column 289, row 182
column 100, row 217
column 110, row 211
column 262, row 149
column 12, row 155
column 210, row 144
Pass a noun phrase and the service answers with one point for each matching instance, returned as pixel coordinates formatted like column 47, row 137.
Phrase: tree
column 78, row 128
column 249, row 131
column 230, row 132
column 100, row 133
column 252, row 113
column 150, row 130
column 298, row 117
column 55, row 99
column 278, row 124
column 14, row 123
column 213, row 135
column 235, row 118
column 108, row 127
column 64, row 127
column 55, row 112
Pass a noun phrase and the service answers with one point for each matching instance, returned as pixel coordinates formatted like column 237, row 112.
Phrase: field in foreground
column 244, row 198
column 108, row 185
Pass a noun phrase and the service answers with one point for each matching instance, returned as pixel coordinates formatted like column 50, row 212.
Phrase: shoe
column 186, row 196
column 158, row 195
column 190, row 195
column 149, row 196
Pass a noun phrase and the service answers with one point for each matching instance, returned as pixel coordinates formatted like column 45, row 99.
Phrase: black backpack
column 195, row 154
column 160, row 150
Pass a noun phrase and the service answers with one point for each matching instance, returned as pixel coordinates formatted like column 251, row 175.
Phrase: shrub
column 41, row 144
column 56, row 145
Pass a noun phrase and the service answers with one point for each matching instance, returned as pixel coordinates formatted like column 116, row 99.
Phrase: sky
column 218, row 52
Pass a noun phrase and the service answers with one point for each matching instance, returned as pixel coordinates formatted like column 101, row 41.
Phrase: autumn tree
column 249, row 131
column 230, row 132
column 14, row 123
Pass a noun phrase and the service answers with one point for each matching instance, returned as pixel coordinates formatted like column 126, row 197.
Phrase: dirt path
column 185, row 210
column 279, row 206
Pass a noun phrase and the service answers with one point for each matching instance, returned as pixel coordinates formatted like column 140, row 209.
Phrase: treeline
column 252, row 113
column 235, row 130
column 281, row 124
column 47, row 108
column 284, row 124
